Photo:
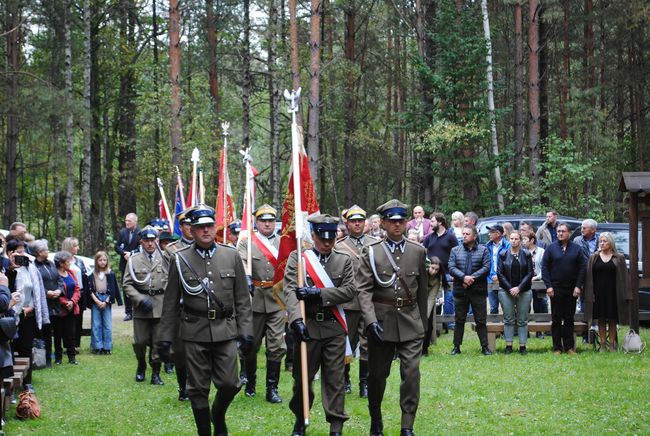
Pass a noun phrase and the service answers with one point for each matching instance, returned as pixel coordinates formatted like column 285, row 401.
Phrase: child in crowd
column 103, row 292
column 437, row 285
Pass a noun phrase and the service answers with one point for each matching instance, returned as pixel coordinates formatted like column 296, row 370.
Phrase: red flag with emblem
column 309, row 206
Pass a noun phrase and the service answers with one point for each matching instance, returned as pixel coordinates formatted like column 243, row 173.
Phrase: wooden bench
column 496, row 328
column 13, row 385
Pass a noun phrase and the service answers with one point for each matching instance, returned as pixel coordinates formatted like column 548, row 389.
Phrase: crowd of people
column 369, row 286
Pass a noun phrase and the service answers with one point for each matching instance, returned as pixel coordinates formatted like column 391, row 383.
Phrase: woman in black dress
column 607, row 290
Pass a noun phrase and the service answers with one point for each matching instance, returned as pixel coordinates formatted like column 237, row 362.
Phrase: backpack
column 28, row 406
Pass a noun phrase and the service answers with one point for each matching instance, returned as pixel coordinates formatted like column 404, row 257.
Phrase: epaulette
column 376, row 241
column 416, row 244
column 221, row 244
column 373, row 239
column 340, row 252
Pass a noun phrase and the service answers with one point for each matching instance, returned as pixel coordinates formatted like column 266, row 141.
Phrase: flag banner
column 179, row 206
column 309, row 206
column 225, row 210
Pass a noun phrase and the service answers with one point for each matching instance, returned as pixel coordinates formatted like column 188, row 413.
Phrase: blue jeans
column 101, row 336
column 448, row 307
column 493, row 298
column 515, row 311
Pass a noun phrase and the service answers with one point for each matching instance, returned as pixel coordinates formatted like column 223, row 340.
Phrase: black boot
column 363, row 378
column 243, row 378
column 249, row 391
column 202, row 421
column 298, row 428
column 376, row 427
column 219, row 408
column 140, row 354
column 272, row 380
column 348, row 385
column 250, row 363
column 181, row 378
column 142, row 368
column 155, row 374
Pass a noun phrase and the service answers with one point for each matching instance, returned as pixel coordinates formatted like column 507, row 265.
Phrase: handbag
column 8, row 328
column 632, row 342
column 38, row 353
column 28, row 406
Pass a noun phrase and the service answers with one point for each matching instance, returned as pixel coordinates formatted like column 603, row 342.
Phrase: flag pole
column 224, row 126
column 201, row 187
column 249, row 214
column 162, row 196
column 195, row 163
column 180, row 184
column 293, row 99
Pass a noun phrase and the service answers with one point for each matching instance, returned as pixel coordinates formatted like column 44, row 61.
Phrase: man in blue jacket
column 495, row 246
column 563, row 272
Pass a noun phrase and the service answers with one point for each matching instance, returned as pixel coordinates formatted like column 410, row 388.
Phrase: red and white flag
column 251, row 183
column 225, row 210
column 308, row 205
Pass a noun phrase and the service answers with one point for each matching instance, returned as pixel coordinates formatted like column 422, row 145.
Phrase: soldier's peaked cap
column 148, row 232
column 393, row 210
column 355, row 213
column 202, row 215
column 324, row 225
column 265, row 212
column 184, row 217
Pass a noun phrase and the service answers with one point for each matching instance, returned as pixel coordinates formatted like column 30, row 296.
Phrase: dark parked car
column 515, row 220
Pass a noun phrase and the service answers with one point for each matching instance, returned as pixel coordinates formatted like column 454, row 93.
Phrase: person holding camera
column 32, row 307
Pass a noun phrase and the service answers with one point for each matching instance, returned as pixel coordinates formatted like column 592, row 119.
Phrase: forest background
column 101, row 97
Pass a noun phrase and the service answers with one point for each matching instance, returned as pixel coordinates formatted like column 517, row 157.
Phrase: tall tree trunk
column 88, row 230
column 351, row 100
column 97, row 188
column 274, row 102
column 313, row 144
column 69, row 124
column 519, row 92
column 566, row 69
column 12, row 31
column 470, row 189
column 127, row 111
column 294, row 54
column 533, row 89
column 54, row 10
column 589, row 72
column 490, row 91
column 423, row 162
column 543, row 86
column 175, row 80
column 213, row 74
column 246, row 79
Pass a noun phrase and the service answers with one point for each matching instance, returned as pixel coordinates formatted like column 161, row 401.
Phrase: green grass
column 468, row 394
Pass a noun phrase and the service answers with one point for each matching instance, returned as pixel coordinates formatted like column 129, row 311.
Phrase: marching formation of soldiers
column 205, row 306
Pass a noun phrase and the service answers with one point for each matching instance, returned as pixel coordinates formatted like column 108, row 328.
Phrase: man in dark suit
column 128, row 239
column 392, row 285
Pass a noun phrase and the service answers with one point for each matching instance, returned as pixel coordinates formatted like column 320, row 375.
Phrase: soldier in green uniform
column 268, row 313
column 178, row 352
column 328, row 284
column 353, row 245
column 392, row 286
column 145, row 277
column 207, row 298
